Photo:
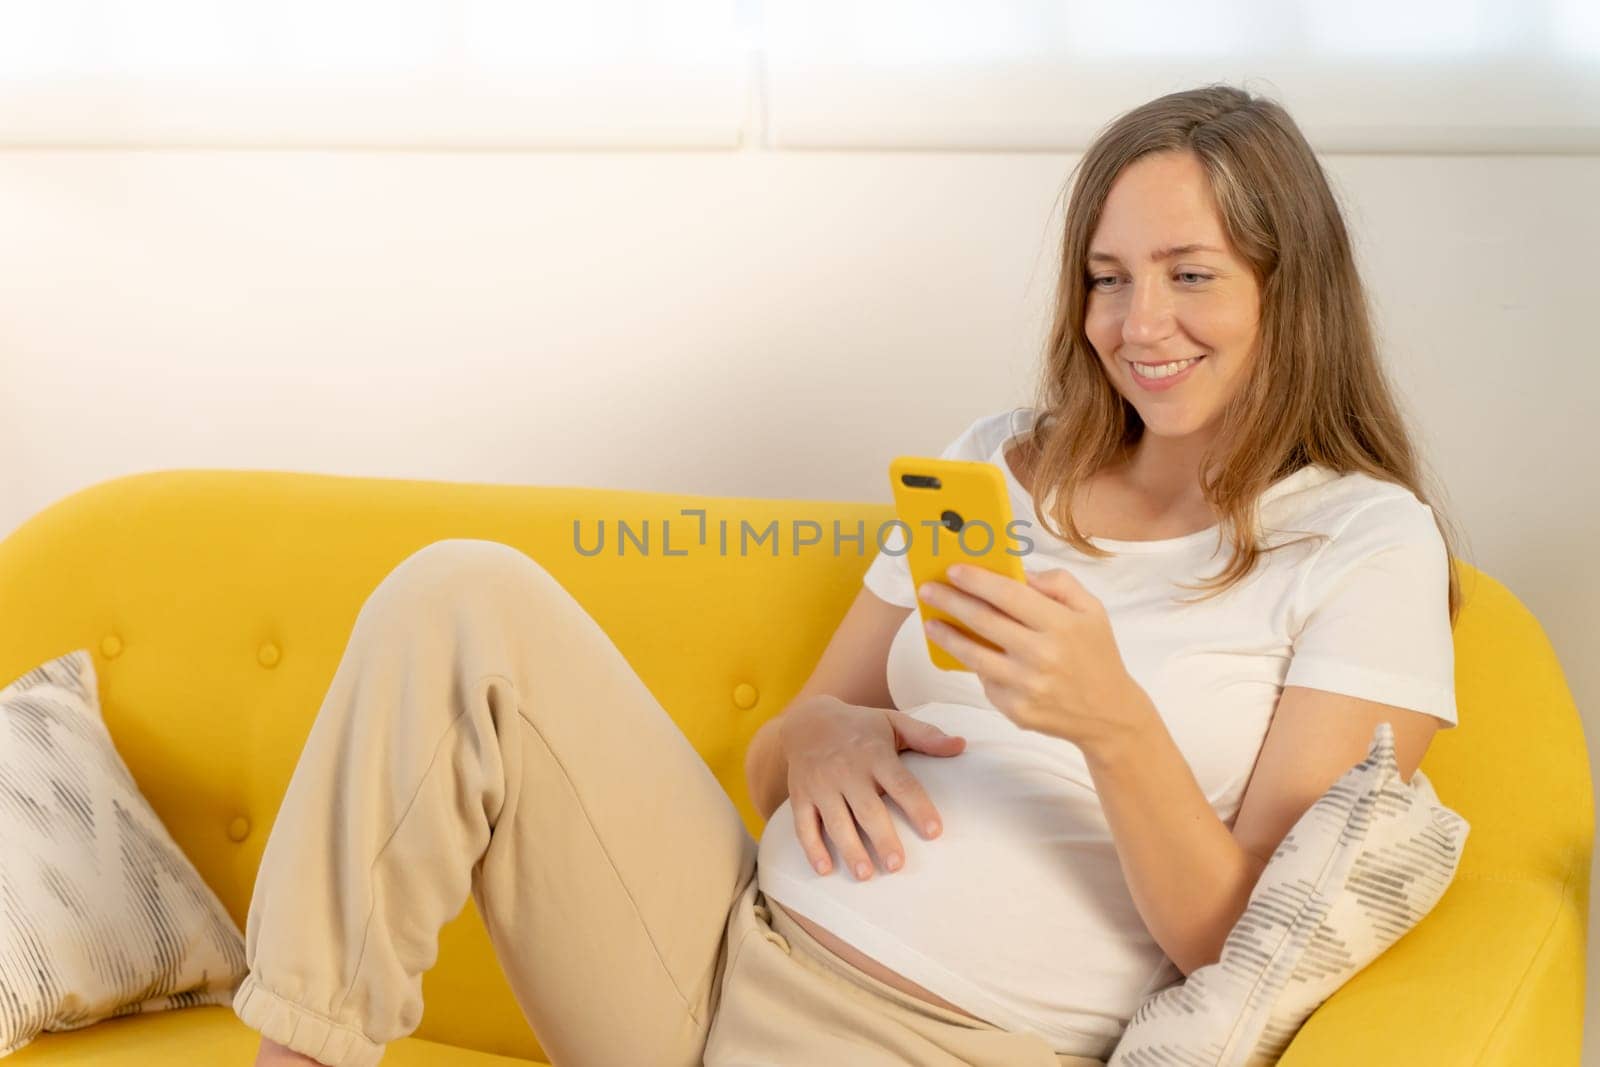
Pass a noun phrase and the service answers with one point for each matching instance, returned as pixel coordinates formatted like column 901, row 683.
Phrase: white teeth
column 1166, row 370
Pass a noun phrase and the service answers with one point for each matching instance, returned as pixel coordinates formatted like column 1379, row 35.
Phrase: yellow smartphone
column 955, row 511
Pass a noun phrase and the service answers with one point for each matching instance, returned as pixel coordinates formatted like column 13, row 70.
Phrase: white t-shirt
column 1019, row 911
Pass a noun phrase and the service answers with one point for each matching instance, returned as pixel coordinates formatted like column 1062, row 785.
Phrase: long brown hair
column 1317, row 392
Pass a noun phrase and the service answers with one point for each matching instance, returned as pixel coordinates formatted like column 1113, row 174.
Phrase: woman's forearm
column 1188, row 875
column 765, row 769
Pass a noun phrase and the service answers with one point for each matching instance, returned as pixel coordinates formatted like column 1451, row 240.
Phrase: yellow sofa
column 217, row 604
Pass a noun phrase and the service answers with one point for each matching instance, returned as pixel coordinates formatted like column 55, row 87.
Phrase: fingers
column 898, row 781
column 998, row 609
column 841, row 827
column 808, row 829
column 838, row 797
column 911, row 732
column 873, row 816
column 859, row 809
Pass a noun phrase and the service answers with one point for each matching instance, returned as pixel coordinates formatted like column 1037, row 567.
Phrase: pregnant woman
column 1235, row 576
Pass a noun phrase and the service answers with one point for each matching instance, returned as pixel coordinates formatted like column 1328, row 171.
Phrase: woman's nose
column 1149, row 316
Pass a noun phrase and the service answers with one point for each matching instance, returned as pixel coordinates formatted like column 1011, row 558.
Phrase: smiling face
column 1164, row 285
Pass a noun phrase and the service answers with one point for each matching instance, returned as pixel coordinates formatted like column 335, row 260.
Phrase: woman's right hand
column 841, row 759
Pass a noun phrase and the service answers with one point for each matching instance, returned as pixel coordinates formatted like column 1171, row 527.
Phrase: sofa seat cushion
column 210, row 1034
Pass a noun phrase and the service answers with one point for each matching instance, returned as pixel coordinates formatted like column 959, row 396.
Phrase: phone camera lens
column 951, row 520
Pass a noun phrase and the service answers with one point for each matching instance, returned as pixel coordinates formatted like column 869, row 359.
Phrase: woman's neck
column 1164, row 472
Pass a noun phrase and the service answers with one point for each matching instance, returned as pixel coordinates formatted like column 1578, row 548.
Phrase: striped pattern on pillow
column 1358, row 870
column 101, row 913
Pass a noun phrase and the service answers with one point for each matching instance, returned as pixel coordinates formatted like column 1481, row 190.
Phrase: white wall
column 787, row 321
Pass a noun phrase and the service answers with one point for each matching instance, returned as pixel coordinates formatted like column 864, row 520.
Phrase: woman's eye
column 1188, row 277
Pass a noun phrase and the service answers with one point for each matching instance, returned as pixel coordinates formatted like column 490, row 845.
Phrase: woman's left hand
column 1057, row 669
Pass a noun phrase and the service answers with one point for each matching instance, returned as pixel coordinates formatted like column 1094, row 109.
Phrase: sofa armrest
column 1493, row 976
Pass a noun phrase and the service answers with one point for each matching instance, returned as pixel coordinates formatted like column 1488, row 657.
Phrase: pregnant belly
column 862, row 962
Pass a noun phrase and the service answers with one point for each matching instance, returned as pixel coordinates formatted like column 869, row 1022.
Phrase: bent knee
column 461, row 566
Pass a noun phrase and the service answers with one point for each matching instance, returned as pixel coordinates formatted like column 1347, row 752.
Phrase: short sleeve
column 888, row 576
column 1375, row 605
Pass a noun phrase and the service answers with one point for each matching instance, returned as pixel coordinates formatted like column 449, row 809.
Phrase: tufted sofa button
column 110, row 645
column 239, row 828
column 744, row 695
column 267, row 655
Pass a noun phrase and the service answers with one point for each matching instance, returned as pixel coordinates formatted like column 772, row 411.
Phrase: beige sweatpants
column 482, row 734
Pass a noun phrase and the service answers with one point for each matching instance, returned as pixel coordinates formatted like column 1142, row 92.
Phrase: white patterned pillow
column 101, row 913
column 1355, row 873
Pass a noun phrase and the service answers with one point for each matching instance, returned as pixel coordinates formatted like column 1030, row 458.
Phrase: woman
column 1092, row 800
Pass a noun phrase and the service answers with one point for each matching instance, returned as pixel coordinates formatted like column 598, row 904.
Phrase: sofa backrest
column 217, row 604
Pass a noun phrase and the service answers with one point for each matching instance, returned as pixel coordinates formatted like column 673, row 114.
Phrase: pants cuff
column 301, row 1029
